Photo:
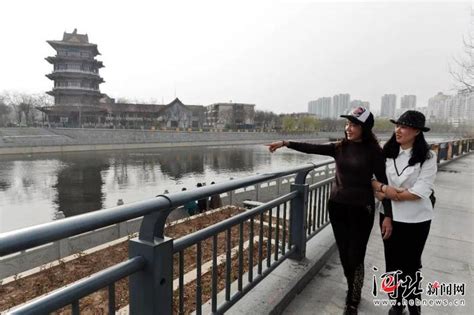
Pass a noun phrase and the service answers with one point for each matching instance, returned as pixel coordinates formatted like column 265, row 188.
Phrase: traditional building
column 153, row 116
column 76, row 81
column 78, row 101
column 178, row 115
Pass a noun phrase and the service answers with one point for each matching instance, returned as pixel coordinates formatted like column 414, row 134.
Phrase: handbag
column 433, row 198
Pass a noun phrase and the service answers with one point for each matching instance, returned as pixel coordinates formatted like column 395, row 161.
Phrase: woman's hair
column 419, row 154
column 368, row 138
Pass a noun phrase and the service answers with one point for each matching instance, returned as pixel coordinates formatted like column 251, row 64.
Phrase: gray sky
column 278, row 55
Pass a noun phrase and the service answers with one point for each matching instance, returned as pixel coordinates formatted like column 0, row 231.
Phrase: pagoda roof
column 58, row 44
column 74, row 39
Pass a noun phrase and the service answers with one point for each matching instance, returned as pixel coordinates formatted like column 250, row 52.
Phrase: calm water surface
column 33, row 188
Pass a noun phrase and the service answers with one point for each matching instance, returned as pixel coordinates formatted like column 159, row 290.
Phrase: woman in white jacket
column 411, row 170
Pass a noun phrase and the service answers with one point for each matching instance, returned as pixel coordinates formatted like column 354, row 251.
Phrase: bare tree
column 13, row 100
column 4, row 112
column 25, row 106
column 462, row 68
column 265, row 120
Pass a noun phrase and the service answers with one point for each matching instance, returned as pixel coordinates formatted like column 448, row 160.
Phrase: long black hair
column 419, row 154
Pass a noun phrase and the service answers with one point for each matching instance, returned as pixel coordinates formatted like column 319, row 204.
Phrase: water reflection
column 79, row 184
column 181, row 163
column 233, row 159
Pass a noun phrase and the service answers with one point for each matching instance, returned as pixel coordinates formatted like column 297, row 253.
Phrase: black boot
column 356, row 287
column 354, row 284
column 350, row 310
column 414, row 309
column 397, row 310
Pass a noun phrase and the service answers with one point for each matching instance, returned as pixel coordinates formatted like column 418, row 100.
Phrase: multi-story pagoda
column 76, row 82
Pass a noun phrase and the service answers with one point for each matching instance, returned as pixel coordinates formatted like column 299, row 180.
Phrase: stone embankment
column 39, row 140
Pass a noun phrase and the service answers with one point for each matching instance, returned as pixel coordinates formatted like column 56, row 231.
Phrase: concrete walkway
column 448, row 256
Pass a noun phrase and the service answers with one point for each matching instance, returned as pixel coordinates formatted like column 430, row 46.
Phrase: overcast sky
column 278, row 55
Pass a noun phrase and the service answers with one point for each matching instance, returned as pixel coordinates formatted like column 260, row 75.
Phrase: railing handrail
column 29, row 237
column 66, row 295
column 449, row 141
column 200, row 235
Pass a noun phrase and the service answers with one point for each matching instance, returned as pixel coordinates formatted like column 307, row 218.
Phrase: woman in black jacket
column 351, row 204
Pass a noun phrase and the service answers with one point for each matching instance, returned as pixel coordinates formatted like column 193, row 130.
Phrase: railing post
column 440, row 153
column 299, row 206
column 151, row 289
column 231, row 197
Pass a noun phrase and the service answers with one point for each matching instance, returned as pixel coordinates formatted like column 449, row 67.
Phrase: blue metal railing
column 272, row 232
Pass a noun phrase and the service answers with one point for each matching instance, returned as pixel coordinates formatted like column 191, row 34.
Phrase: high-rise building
column 453, row 109
column 340, row 105
column 312, row 107
column 437, row 109
column 388, row 106
column 460, row 108
column 320, row 107
column 408, row 102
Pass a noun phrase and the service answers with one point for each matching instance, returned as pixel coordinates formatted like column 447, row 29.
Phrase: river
column 34, row 188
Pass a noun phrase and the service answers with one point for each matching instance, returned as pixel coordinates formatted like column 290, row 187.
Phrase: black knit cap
column 412, row 118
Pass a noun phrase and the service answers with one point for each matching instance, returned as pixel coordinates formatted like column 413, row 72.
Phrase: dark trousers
column 403, row 251
column 351, row 226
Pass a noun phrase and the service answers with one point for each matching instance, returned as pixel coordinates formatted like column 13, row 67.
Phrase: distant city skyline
column 278, row 55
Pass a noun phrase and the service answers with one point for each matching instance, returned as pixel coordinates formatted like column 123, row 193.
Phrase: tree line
column 20, row 109
column 269, row 121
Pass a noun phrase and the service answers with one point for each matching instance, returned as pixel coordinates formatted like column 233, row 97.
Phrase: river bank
column 58, row 140
column 45, row 140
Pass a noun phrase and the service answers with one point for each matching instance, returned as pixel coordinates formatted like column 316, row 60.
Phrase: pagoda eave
column 60, row 44
column 72, row 91
column 75, row 75
column 53, row 59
